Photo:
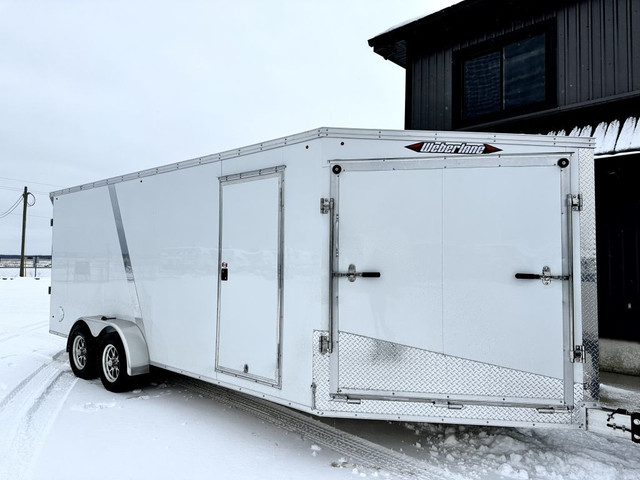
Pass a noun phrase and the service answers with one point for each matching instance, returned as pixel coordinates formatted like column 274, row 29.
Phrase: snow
column 54, row 426
column 439, row 6
column 599, row 134
column 611, row 137
column 626, row 135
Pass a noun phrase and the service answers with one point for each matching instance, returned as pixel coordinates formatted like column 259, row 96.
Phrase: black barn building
column 569, row 67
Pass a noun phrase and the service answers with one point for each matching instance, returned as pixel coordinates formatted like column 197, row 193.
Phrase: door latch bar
column 546, row 276
column 351, row 274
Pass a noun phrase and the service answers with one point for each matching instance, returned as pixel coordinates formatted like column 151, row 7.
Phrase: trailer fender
column 135, row 345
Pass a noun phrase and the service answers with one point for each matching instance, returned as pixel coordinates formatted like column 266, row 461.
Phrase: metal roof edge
column 193, row 162
column 409, row 25
column 484, row 137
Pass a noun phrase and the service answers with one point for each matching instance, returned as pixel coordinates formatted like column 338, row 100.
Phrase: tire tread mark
column 27, row 413
column 363, row 451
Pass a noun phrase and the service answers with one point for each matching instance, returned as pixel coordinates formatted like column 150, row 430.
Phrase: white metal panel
column 171, row 225
column 498, row 222
column 391, row 222
column 249, row 301
column 88, row 276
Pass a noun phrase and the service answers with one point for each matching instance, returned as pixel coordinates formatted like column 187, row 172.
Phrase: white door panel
column 398, row 234
column 498, row 222
column 249, row 297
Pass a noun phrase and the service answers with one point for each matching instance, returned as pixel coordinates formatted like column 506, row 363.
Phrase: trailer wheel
column 113, row 364
column 82, row 356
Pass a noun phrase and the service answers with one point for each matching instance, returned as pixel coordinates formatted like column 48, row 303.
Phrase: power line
column 12, row 207
column 18, row 201
column 30, row 182
column 32, row 215
column 14, row 189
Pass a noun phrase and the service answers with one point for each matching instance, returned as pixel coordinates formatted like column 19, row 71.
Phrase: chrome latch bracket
column 578, row 355
column 324, row 344
column 575, row 201
column 325, row 205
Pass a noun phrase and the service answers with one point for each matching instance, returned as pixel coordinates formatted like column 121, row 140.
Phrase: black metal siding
column 598, row 50
column 618, row 246
column 598, row 57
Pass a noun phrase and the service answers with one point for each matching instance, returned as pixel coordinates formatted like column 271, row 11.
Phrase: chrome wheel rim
column 111, row 363
column 79, row 349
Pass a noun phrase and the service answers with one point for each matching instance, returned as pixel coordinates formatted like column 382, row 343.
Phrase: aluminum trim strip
column 126, row 258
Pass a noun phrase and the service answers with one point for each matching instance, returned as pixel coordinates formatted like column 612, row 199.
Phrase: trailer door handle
column 546, row 276
column 351, row 274
column 370, row 274
column 528, row 276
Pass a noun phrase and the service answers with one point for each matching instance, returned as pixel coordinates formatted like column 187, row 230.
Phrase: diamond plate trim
column 370, row 364
column 426, row 411
column 589, row 282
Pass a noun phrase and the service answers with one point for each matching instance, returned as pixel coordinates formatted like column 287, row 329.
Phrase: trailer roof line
column 347, row 133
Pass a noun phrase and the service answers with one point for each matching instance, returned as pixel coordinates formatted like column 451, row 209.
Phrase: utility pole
column 24, row 231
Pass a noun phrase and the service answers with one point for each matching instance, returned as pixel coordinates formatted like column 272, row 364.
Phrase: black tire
column 112, row 364
column 82, row 355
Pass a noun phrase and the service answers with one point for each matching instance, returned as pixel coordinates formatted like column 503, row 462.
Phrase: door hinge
column 324, row 344
column 552, row 410
column 325, row 205
column 449, row 405
column 341, row 397
column 575, row 201
column 578, row 355
column 314, row 389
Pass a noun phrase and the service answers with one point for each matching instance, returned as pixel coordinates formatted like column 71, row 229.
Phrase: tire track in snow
column 26, row 415
column 23, row 330
column 362, row 451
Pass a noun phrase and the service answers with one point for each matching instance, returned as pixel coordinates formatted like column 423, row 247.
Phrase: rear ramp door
column 447, row 319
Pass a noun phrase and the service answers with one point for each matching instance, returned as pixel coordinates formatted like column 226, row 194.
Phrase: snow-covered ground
column 53, row 426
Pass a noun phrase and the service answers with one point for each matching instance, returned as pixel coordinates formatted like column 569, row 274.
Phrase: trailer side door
column 250, row 275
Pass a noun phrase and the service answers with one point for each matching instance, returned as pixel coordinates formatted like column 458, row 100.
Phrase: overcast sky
column 94, row 89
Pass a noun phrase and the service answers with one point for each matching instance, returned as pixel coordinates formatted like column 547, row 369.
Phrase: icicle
column 586, row 131
column 599, row 132
column 634, row 141
column 626, row 135
column 610, row 138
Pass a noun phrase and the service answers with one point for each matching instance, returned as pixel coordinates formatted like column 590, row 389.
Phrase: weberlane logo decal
column 454, row 148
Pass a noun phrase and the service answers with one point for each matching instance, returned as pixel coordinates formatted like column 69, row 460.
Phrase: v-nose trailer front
column 403, row 275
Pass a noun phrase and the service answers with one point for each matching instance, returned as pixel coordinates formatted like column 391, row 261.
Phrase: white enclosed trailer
column 403, row 275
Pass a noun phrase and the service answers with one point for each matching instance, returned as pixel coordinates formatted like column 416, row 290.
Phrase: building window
column 507, row 79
